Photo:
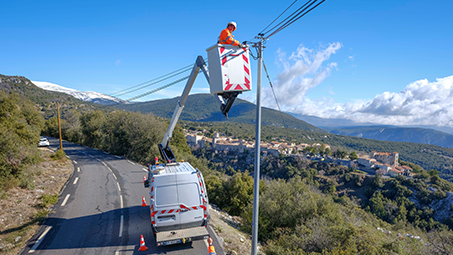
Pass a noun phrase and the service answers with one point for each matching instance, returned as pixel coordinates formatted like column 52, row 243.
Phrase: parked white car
column 43, row 142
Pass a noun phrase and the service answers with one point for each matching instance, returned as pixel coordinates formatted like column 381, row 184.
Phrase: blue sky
column 365, row 49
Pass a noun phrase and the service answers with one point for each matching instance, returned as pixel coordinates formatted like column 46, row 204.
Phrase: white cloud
column 302, row 70
column 420, row 103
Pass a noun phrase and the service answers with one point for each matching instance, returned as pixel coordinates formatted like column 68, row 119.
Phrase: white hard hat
column 234, row 24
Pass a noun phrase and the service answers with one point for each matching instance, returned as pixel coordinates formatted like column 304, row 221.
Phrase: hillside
column 46, row 101
column 204, row 108
column 426, row 155
column 398, row 134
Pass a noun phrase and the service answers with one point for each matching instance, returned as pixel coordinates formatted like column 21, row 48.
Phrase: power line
column 291, row 22
column 275, row 97
column 147, row 85
column 292, row 14
column 278, row 17
column 160, row 88
column 120, row 91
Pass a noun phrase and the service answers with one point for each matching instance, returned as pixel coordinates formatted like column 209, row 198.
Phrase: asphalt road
column 99, row 210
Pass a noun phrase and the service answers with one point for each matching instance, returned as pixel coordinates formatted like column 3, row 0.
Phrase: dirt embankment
column 21, row 210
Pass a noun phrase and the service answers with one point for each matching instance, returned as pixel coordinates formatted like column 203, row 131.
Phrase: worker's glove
column 240, row 45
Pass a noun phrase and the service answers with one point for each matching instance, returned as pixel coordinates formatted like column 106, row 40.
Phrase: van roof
column 180, row 167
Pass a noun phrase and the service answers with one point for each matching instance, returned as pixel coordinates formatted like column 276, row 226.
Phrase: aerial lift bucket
column 229, row 73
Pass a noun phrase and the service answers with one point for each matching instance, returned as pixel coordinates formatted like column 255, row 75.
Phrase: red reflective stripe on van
column 179, row 210
column 152, row 188
column 171, row 211
column 202, row 206
column 162, row 212
column 194, row 207
column 152, row 197
column 153, row 222
column 184, row 207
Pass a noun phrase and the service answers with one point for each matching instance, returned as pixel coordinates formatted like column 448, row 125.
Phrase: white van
column 179, row 205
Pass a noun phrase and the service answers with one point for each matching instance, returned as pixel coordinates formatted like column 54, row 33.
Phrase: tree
column 353, row 155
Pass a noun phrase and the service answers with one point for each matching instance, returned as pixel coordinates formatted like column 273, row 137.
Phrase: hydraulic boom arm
column 226, row 100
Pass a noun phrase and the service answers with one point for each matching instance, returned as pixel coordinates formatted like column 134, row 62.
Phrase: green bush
column 48, row 200
column 57, row 155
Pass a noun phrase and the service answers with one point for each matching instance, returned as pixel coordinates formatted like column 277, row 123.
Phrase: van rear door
column 167, row 203
column 191, row 214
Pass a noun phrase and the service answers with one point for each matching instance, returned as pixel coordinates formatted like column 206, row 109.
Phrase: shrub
column 48, row 200
column 59, row 154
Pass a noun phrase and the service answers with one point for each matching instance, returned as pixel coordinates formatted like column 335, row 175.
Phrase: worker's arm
column 211, row 248
column 227, row 38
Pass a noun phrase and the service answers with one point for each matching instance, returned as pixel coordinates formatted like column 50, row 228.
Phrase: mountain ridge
column 205, row 108
column 87, row 96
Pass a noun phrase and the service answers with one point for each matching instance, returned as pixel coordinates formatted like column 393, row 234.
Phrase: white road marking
column 104, row 163
column 41, row 237
column 117, row 156
column 75, row 181
column 121, row 201
column 65, row 200
column 78, row 169
column 144, row 169
column 75, row 162
column 118, row 186
column 110, row 169
column 121, row 226
column 115, row 176
column 131, row 162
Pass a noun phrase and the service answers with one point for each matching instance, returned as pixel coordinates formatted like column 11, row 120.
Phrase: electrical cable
column 142, row 87
column 278, row 17
column 275, row 97
column 123, row 90
column 295, row 13
column 289, row 23
column 160, row 88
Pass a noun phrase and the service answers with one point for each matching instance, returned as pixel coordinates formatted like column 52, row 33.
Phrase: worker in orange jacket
column 227, row 38
column 211, row 248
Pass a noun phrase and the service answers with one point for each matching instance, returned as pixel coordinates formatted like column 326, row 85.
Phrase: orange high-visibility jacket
column 227, row 38
column 211, row 250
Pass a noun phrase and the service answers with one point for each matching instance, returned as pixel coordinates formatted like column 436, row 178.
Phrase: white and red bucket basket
column 229, row 69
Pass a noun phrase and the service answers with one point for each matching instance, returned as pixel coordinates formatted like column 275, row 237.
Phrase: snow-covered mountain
column 88, row 96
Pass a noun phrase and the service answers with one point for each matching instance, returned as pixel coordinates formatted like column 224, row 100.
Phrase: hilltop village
column 382, row 163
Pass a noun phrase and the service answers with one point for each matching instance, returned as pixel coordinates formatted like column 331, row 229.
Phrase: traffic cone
column 142, row 244
column 143, row 201
column 144, row 178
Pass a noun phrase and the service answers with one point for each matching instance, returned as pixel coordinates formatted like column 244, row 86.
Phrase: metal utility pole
column 59, row 126
column 256, row 186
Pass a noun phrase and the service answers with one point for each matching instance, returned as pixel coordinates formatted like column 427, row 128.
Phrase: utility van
column 179, row 204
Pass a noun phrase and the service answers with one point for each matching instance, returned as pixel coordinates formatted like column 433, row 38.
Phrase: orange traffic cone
column 143, row 201
column 144, row 178
column 142, row 244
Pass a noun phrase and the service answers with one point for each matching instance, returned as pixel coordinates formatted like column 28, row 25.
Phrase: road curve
column 99, row 210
